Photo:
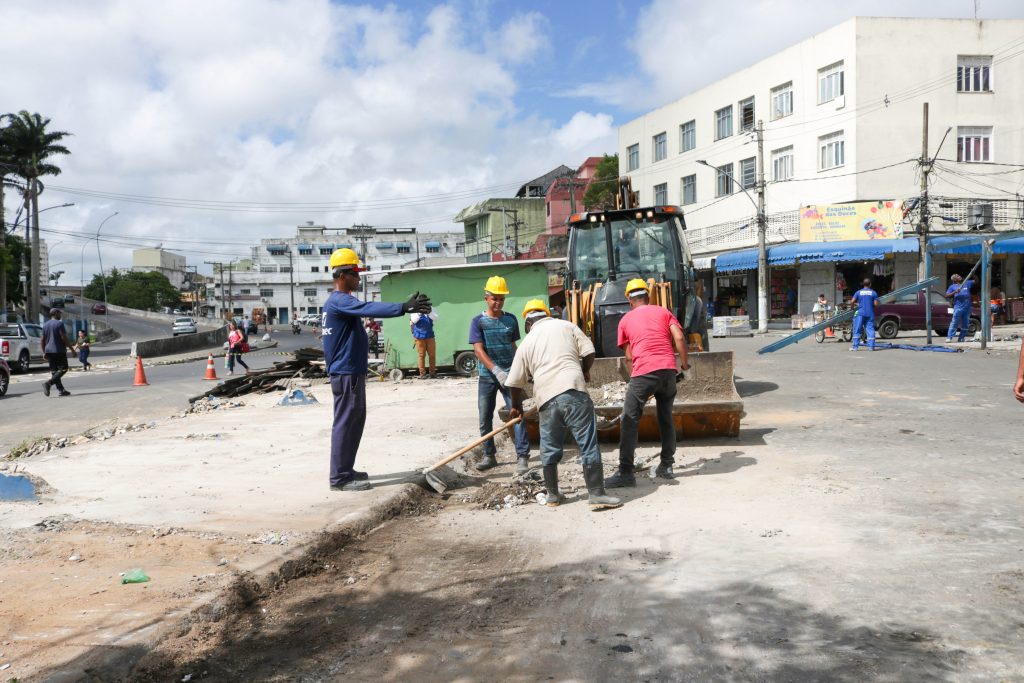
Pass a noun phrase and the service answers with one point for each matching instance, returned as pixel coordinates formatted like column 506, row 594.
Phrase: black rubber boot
column 664, row 472
column 621, row 479
column 594, row 476
column 485, row 463
column 523, row 464
column 554, row 498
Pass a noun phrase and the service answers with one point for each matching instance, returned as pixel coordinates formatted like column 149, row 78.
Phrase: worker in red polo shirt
column 650, row 337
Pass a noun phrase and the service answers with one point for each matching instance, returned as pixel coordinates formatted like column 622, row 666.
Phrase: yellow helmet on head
column 346, row 258
column 496, row 285
column 535, row 305
column 635, row 287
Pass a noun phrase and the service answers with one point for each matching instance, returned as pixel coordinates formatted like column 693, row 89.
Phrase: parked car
column 21, row 345
column 99, row 309
column 908, row 312
column 5, row 377
column 69, row 298
column 183, row 326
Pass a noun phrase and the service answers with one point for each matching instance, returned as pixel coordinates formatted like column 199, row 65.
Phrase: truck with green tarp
column 457, row 293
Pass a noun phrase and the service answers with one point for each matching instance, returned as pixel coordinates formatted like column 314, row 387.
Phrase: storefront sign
column 856, row 221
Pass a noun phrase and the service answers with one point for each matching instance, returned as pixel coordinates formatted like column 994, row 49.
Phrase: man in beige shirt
column 558, row 356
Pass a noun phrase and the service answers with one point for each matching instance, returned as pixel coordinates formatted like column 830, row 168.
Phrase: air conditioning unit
column 979, row 216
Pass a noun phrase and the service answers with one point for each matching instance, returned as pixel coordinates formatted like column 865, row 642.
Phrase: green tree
column 602, row 190
column 29, row 146
column 94, row 290
column 10, row 257
column 144, row 291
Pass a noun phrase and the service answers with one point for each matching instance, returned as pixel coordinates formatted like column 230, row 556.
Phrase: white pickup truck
column 21, row 345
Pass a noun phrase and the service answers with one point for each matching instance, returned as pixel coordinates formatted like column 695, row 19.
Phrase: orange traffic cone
column 211, row 369
column 140, row 374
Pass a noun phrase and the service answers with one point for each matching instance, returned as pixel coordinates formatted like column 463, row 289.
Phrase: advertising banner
column 880, row 220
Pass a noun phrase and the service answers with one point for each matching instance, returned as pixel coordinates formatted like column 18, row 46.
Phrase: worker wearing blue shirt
column 865, row 299
column 346, row 349
column 960, row 293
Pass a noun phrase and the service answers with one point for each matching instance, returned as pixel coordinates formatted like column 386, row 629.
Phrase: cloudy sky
column 209, row 124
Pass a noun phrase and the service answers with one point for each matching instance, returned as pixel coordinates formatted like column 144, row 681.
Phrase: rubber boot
column 621, row 479
column 554, row 498
column 593, row 475
column 664, row 471
column 486, row 462
column 523, row 464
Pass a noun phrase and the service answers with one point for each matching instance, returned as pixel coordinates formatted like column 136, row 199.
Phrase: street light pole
column 762, row 224
column 103, row 278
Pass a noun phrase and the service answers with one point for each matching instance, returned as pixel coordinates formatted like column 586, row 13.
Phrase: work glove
column 417, row 303
column 499, row 375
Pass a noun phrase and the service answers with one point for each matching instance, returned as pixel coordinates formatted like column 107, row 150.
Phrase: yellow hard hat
column 635, row 285
column 346, row 258
column 535, row 305
column 496, row 285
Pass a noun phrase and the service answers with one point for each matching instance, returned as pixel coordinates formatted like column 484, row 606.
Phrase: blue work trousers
column 572, row 410
column 349, row 418
column 859, row 323
column 486, row 400
column 961, row 320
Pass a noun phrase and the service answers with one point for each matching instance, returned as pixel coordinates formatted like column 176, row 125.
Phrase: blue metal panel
column 736, row 260
column 1003, row 244
column 835, row 252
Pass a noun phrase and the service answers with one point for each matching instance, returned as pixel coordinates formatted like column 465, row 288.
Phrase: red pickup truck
column 907, row 313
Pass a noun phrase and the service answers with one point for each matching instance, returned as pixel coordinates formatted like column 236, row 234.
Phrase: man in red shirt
column 650, row 337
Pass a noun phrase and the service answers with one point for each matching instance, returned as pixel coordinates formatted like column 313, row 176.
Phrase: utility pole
column 231, row 290
column 762, row 229
column 220, row 270
column 32, row 218
column 291, row 283
column 572, row 182
column 364, row 234
column 515, row 229
column 923, row 216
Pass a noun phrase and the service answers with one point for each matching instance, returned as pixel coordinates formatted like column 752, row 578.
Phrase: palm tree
column 5, row 169
column 31, row 145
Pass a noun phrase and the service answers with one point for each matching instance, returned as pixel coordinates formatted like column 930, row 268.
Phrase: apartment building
column 842, row 125
column 287, row 277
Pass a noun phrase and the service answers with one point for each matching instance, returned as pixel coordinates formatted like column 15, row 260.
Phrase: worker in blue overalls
column 960, row 294
column 864, row 299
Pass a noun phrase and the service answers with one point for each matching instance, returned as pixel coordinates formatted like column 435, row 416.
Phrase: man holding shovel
column 959, row 293
column 558, row 356
column 346, row 350
column 650, row 337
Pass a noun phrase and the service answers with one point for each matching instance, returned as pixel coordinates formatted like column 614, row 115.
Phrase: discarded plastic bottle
column 134, row 576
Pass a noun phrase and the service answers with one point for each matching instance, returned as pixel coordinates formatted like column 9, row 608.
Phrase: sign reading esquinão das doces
column 881, row 220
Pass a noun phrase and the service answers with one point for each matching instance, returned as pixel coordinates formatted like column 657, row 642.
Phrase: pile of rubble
column 611, row 394
column 27, row 448
column 306, row 368
column 210, row 404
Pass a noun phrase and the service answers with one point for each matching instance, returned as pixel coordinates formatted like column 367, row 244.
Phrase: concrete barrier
column 168, row 318
column 185, row 342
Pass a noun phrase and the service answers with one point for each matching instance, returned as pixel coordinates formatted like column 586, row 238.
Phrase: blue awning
column 328, row 247
column 736, row 260
column 384, row 245
column 276, row 248
column 1014, row 245
column 343, row 245
column 432, row 245
column 404, row 244
column 305, row 247
column 834, row 252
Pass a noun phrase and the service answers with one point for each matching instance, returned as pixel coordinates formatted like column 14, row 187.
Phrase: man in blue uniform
column 959, row 293
column 865, row 299
column 346, row 349
column 493, row 335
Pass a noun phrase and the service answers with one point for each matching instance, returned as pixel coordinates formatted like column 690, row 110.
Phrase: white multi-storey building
column 286, row 277
column 842, row 120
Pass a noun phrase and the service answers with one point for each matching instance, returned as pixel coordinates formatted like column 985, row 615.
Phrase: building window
column 326, row 251
column 747, row 114
column 309, row 291
column 974, row 73
column 661, row 193
column 284, row 269
column 633, row 156
column 723, row 123
column 266, row 293
column 782, row 100
column 437, row 250
column 245, row 291
column 460, row 247
column 687, row 136
column 723, row 180
column 403, row 249
column 689, row 190
column 831, row 151
column 974, row 143
column 748, row 173
column 385, row 267
column 830, row 83
column 305, row 251
column 314, row 269
column 659, row 147
column 782, row 164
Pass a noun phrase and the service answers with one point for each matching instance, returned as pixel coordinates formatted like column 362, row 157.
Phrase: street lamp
column 762, row 255
column 103, row 278
column 27, row 288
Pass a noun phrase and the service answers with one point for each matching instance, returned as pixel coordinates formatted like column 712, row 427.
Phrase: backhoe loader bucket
column 707, row 403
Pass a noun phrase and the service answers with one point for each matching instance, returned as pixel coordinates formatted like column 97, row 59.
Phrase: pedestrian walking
column 493, row 335
column 82, row 347
column 236, row 347
column 959, row 293
column 346, row 355
column 558, row 356
column 422, row 325
column 55, row 347
column 373, row 336
column 650, row 337
column 864, row 299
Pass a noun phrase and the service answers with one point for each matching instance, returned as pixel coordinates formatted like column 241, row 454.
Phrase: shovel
column 441, row 478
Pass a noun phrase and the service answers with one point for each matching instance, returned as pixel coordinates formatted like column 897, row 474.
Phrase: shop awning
column 703, row 263
column 384, row 245
column 432, row 245
column 1014, row 245
column 835, row 252
column 305, row 247
column 343, row 245
column 277, row 248
column 745, row 259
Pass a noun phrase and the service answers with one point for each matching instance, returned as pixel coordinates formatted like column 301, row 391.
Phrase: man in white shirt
column 558, row 356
